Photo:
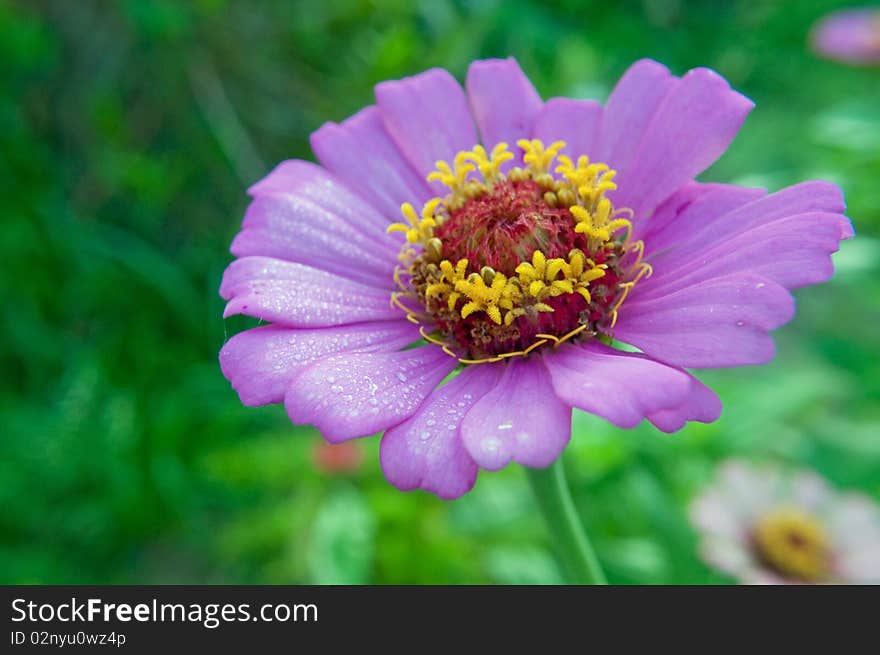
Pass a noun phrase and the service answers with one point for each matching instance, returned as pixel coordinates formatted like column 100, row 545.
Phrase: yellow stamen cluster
column 505, row 298
column 580, row 186
column 455, row 177
column 489, row 165
column 462, row 185
column 450, row 276
column 418, row 229
column 489, row 297
column 794, row 543
column 593, row 213
column 541, row 277
column 538, row 158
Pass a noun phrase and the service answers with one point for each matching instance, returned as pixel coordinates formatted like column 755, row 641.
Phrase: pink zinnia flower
column 764, row 526
column 519, row 262
column 850, row 35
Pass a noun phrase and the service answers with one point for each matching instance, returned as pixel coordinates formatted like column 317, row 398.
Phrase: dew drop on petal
column 491, row 444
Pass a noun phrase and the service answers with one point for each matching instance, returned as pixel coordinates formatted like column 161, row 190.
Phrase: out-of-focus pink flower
column 851, row 35
column 519, row 261
column 332, row 458
column 762, row 525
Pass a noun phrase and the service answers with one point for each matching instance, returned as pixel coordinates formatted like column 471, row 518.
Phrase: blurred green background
column 130, row 131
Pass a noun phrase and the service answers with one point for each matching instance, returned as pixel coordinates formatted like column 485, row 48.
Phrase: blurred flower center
column 508, row 262
column 793, row 543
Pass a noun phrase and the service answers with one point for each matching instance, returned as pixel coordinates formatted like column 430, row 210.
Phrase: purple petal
column 804, row 198
column 426, row 451
column 354, row 395
column 521, row 419
column 718, row 233
column 694, row 206
column 361, row 153
column 717, row 323
column 261, row 362
column 794, row 252
column 503, row 101
column 667, row 212
column 630, row 108
column 574, row 121
column 701, row 404
column 692, row 127
column 290, row 227
column 298, row 296
column 621, row 387
column 307, row 181
column 428, row 117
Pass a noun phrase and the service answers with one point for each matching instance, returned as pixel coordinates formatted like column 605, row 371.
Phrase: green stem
column 566, row 530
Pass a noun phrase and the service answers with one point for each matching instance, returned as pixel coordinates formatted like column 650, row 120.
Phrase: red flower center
column 504, row 227
column 518, row 261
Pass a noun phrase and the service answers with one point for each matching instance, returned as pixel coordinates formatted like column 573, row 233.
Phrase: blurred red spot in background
column 337, row 458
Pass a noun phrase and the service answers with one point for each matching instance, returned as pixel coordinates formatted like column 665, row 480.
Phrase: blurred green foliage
column 130, row 131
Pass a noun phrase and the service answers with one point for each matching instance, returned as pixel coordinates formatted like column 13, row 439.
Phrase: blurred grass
column 129, row 133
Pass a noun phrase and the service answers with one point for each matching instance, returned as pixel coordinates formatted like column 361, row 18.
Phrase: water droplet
column 506, row 425
column 401, row 376
column 491, row 444
column 336, row 388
